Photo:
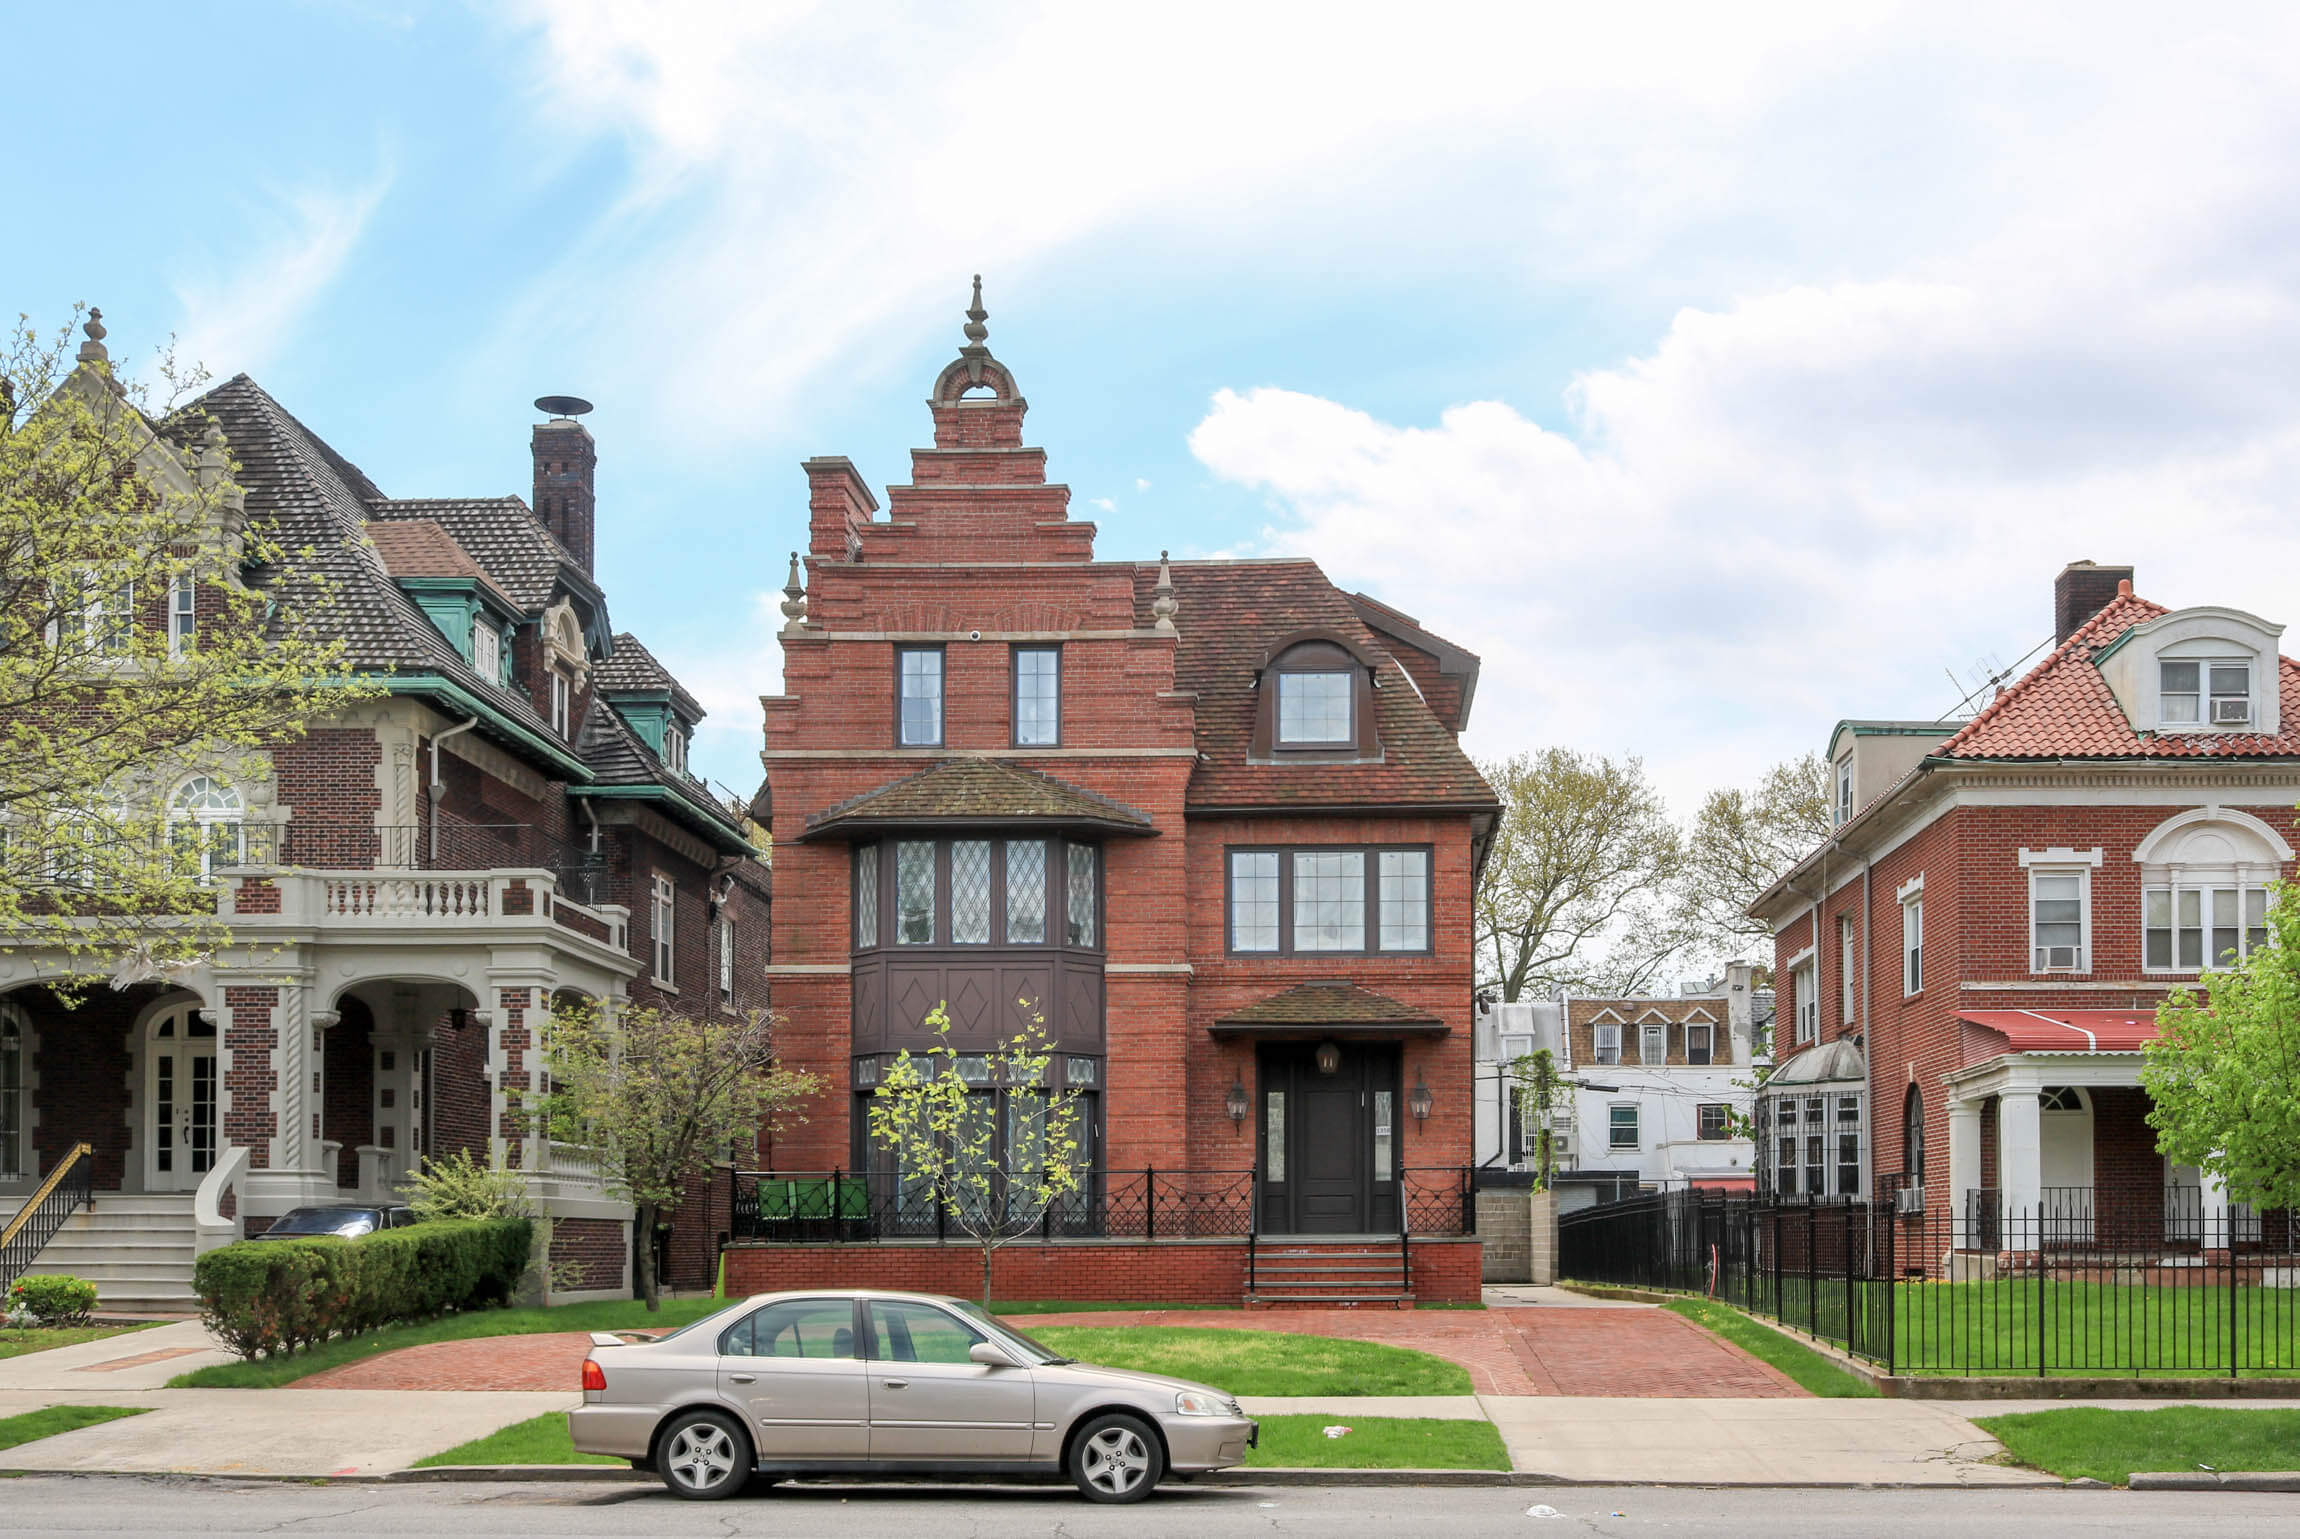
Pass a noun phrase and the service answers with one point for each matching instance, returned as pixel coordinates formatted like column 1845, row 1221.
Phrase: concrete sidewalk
column 133, row 1360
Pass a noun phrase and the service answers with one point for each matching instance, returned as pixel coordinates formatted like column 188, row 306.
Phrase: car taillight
column 594, row 1376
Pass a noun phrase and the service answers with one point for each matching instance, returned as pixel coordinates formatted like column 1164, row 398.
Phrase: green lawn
column 1084, row 1307
column 2092, row 1328
column 2111, row 1445
column 1808, row 1367
column 612, row 1315
column 1261, row 1362
column 35, row 1425
column 1378, row 1443
column 538, row 1440
column 15, row 1342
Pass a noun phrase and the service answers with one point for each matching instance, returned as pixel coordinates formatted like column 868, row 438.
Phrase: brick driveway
column 1634, row 1350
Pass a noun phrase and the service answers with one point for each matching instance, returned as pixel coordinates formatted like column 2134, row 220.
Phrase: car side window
column 919, row 1333
column 798, row 1328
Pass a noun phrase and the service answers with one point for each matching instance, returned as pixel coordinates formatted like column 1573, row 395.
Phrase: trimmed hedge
column 53, row 1300
column 273, row 1297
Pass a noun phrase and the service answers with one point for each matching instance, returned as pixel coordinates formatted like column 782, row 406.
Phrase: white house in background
column 1660, row 1088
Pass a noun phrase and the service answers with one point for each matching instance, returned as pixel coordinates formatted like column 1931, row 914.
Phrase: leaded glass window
column 970, row 892
column 866, row 897
column 1330, row 901
column 1315, row 707
column 1405, row 897
column 1026, row 892
column 1254, row 900
column 1082, row 929
column 914, row 893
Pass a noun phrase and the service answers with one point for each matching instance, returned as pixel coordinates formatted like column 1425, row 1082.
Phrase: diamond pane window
column 866, row 896
column 1405, row 895
column 914, row 893
column 1330, row 901
column 1082, row 930
column 970, row 892
column 1315, row 707
column 1254, row 900
column 1026, row 892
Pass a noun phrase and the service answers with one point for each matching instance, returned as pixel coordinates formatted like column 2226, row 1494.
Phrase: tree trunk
column 643, row 1255
column 987, row 1252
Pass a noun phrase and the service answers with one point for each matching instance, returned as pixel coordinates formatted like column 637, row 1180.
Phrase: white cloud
column 1106, row 504
column 297, row 241
column 1140, row 484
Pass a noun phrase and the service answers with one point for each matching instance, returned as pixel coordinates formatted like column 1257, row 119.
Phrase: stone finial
column 92, row 350
column 976, row 332
column 794, row 599
column 1162, row 601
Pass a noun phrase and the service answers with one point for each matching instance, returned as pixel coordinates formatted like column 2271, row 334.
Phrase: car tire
column 1116, row 1458
column 704, row 1456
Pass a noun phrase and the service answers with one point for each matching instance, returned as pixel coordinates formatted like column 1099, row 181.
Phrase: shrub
column 53, row 1301
column 274, row 1297
column 462, row 1187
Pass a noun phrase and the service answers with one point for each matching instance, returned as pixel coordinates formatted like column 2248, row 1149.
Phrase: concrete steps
column 136, row 1250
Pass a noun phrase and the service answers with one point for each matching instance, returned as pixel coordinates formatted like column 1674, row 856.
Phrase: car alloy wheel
column 704, row 1457
column 1116, row 1459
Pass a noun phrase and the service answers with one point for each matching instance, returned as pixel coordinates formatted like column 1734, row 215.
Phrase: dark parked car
column 348, row 1222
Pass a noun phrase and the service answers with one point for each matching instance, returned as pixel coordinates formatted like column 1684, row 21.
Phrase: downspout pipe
column 438, row 786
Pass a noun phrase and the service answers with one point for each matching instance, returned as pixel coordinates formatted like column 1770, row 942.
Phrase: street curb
column 2214, row 1480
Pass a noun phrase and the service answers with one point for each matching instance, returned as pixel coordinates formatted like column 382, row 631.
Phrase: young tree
column 2223, row 1078
column 943, row 1133
column 1538, row 1086
column 1576, row 887
column 1742, row 842
column 113, row 512
column 655, row 1097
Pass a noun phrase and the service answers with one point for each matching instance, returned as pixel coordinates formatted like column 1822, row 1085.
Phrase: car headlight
column 1196, row 1402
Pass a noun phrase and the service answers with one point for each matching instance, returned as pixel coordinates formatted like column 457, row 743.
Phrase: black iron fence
column 2130, row 1287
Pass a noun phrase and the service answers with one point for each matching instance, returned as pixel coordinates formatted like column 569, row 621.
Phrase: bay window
column 978, row 892
column 1321, row 901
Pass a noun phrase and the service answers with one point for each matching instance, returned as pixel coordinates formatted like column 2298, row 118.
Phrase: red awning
column 2068, row 1031
column 1723, row 1183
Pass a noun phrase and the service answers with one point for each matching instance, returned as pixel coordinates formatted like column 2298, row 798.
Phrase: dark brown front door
column 1328, row 1139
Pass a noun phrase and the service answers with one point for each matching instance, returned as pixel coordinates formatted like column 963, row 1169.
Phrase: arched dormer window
column 2195, row 672
column 1315, row 700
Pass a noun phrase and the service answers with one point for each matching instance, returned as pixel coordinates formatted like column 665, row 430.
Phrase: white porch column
column 1964, row 1166
column 2217, row 1217
column 2020, row 1129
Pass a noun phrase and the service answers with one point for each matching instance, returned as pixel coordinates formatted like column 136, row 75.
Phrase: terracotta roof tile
column 420, row 548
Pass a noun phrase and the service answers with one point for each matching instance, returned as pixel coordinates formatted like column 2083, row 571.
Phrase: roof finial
column 1162, row 601
column 976, row 332
column 794, row 599
column 92, row 350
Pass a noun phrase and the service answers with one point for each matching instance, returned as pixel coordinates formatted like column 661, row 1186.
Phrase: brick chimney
column 565, row 460
column 2081, row 591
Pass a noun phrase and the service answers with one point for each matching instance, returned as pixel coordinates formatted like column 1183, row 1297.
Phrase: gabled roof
column 966, row 792
column 631, row 668
column 1327, row 1005
column 2062, row 708
column 1451, row 687
column 504, row 536
column 1231, row 614
column 420, row 548
column 622, row 765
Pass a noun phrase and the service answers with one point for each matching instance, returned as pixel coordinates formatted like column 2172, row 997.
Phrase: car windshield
column 1032, row 1353
column 325, row 1221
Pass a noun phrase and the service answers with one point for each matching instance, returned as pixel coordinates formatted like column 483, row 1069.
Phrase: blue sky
column 1714, row 372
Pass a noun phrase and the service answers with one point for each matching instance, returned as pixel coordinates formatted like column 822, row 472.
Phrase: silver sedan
column 830, row 1382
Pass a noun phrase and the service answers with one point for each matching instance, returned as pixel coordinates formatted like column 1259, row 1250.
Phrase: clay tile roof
column 2062, row 708
column 632, row 667
column 504, row 536
column 420, row 548
column 970, row 791
column 1308, row 1006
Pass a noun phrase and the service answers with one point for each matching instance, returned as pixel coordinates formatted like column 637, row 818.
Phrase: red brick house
column 408, row 887
column 1969, row 967
column 1210, row 819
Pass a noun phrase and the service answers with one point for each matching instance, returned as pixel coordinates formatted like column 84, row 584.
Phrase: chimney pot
column 566, row 460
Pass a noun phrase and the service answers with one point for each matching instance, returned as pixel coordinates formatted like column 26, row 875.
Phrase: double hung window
column 559, row 702
column 1713, row 1121
column 1785, row 1146
column 1700, row 1038
column 726, row 929
column 2059, row 920
column 1653, row 1043
column 1037, row 696
column 1605, row 1042
column 662, row 918
column 1621, row 1126
column 1805, row 983
column 1913, row 945
column 1848, row 1146
column 918, row 694
column 1848, row 972
column 183, row 620
column 1311, row 901
column 1845, row 789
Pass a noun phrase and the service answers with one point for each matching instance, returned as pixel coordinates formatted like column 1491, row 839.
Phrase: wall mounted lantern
column 1235, row 1102
column 1419, row 1102
column 1329, row 1058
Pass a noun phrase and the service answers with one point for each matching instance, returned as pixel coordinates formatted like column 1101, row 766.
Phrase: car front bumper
column 1195, row 1444
column 625, row 1431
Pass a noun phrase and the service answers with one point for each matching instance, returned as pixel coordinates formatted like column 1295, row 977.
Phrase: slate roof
column 633, row 667
column 418, row 547
column 1231, row 613
column 1327, row 1004
column 979, row 791
column 2062, row 708
column 504, row 536
column 618, row 756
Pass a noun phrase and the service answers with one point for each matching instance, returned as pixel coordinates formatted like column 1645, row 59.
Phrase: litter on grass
column 1542, row 1510
column 1337, row 1432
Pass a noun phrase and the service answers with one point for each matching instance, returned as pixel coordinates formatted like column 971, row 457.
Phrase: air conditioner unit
column 2226, row 713
column 1909, row 1199
column 2056, row 959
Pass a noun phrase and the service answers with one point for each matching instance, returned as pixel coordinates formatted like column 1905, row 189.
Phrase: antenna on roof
column 568, row 407
column 1985, row 675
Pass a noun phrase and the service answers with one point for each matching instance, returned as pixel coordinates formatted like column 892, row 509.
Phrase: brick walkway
column 1630, row 1351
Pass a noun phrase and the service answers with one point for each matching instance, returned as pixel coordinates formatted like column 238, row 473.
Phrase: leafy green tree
column 1538, row 1086
column 2223, row 1078
column 111, row 503
column 943, row 1133
column 1742, row 842
column 652, row 1097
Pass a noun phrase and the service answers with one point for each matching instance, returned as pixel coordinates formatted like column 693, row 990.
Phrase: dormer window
column 2204, row 691
column 1845, row 789
column 1315, row 699
column 675, row 748
column 559, row 702
column 1314, row 709
column 486, row 650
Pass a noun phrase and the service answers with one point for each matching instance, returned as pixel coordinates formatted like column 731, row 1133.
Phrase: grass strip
column 1378, row 1443
column 1244, row 1362
column 32, row 1338
column 2108, row 1445
column 609, row 1315
column 538, row 1440
column 51, row 1420
column 1810, row 1369
column 1088, row 1307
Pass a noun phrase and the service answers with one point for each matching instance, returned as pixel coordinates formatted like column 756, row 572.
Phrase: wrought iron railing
column 68, row 1189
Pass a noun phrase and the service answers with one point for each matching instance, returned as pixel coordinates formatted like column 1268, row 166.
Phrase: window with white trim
column 1848, row 972
column 486, row 650
column 15, row 1056
column 675, row 747
column 183, row 620
column 204, row 827
column 2185, row 929
column 560, row 694
column 1713, row 1120
column 1816, row 1146
column 1621, row 1126
column 726, row 929
column 1605, row 1042
column 2203, row 691
column 105, row 617
column 2060, row 919
column 918, row 705
column 1848, row 1146
column 1785, row 1167
column 1913, row 944
column 1700, row 1040
column 1805, row 984
column 1845, row 789
column 1653, row 1043
column 662, row 916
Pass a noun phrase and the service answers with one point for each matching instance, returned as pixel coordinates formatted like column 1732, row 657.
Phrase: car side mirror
column 991, row 1355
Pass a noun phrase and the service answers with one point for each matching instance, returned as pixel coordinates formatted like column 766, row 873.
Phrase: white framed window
column 486, row 650
column 183, row 618
column 675, row 747
column 1317, row 707
column 1848, row 972
column 1605, row 1042
column 919, row 701
column 2185, row 929
column 726, row 943
column 1785, row 1146
column 205, row 828
column 1700, row 1039
column 1621, row 1126
column 1848, row 1145
column 560, row 697
column 1037, row 696
column 1913, row 944
column 2060, row 919
column 1713, row 1120
column 105, row 617
column 15, row 1063
column 1653, row 1043
column 1805, row 983
column 1845, row 789
column 2203, row 691
column 1816, row 1146
column 662, row 921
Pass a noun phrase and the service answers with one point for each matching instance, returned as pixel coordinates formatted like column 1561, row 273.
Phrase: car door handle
column 897, row 1383
column 743, row 1378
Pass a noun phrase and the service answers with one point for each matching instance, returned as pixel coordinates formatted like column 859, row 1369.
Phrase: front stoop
column 137, row 1251
column 1342, row 1273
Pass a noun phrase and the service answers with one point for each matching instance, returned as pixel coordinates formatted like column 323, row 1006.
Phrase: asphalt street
column 111, row 1505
